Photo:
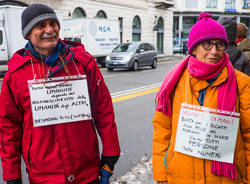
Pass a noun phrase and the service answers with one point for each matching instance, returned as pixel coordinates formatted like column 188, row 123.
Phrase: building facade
column 140, row 20
column 186, row 13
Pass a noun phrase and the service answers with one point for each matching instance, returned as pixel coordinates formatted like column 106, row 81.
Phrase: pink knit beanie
column 205, row 29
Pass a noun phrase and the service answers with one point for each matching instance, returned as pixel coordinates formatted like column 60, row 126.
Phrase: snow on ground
column 139, row 174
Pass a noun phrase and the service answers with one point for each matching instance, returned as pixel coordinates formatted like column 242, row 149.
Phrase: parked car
column 132, row 55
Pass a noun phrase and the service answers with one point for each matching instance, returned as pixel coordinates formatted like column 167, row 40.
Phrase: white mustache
column 46, row 35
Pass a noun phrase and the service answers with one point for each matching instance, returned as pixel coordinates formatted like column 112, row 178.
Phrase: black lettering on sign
column 190, row 131
column 188, row 149
column 45, row 107
column 79, row 103
column 203, row 129
column 210, row 154
column 218, row 126
column 187, row 119
column 223, row 137
column 212, row 131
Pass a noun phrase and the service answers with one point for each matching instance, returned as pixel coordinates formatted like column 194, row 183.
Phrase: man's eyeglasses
column 208, row 45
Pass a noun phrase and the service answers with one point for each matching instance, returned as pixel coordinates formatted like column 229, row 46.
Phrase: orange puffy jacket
column 184, row 169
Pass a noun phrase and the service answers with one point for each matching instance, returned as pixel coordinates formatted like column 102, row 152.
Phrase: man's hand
column 110, row 161
column 16, row 181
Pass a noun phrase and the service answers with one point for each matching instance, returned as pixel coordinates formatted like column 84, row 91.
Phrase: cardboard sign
column 207, row 133
column 59, row 100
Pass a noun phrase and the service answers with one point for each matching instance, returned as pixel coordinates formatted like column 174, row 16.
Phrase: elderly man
column 53, row 100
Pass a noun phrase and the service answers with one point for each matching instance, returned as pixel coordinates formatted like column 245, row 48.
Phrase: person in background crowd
column 242, row 39
column 237, row 57
column 201, row 85
column 56, row 152
column 185, row 48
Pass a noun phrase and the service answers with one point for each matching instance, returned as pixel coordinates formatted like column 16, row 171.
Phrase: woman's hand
column 162, row 182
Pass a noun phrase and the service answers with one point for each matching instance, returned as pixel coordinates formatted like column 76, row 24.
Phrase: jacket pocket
column 28, row 152
column 168, row 156
column 1, row 140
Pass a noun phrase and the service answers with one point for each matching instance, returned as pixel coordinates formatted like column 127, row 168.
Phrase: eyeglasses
column 208, row 45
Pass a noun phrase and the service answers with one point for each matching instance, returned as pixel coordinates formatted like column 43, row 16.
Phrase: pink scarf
column 226, row 96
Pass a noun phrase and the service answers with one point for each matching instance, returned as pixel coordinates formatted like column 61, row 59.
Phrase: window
column 78, row 12
column 175, row 3
column 191, row 4
column 230, row 4
column 160, row 35
column 246, row 4
column 142, row 47
column 121, row 27
column 188, row 22
column 75, row 39
column 1, row 37
column 136, row 29
column 101, row 14
column 147, row 47
column 211, row 3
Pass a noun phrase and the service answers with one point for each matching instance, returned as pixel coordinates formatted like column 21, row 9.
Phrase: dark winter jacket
column 239, row 60
column 54, row 153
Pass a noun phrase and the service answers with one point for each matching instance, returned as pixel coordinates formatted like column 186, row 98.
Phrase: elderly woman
column 202, row 120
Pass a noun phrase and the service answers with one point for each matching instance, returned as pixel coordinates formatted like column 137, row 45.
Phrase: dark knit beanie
column 34, row 14
column 242, row 30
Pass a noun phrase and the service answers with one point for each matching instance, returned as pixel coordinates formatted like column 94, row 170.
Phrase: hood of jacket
column 230, row 26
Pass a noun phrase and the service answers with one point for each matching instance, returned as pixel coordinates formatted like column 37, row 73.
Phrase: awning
column 163, row 4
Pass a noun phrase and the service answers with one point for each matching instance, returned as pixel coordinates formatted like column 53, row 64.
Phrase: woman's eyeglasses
column 208, row 45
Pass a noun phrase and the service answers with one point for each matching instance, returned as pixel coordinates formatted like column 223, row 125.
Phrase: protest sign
column 59, row 100
column 207, row 133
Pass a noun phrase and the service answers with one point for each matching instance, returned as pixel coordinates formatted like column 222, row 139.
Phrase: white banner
column 207, row 133
column 59, row 100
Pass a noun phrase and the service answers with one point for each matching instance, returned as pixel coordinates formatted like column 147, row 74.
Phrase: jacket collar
column 198, row 85
column 21, row 57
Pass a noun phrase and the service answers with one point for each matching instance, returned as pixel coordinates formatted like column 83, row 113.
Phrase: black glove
column 16, row 181
column 110, row 161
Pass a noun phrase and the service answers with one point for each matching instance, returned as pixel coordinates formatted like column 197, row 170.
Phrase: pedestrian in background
column 237, row 57
column 56, row 152
column 242, row 39
column 201, row 85
column 184, row 49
